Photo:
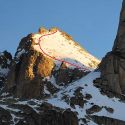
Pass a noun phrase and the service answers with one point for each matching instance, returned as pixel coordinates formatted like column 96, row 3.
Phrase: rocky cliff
column 112, row 66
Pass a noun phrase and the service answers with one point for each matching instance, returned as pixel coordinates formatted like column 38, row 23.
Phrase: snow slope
column 88, row 88
column 97, row 99
column 61, row 46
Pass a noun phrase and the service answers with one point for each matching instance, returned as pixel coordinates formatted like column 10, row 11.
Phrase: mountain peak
column 61, row 46
column 50, row 65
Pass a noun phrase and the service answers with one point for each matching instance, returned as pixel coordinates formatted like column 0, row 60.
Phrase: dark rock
column 45, row 106
column 5, row 117
column 22, row 122
column 77, row 101
column 2, row 80
column 77, row 92
column 47, row 115
column 93, row 109
column 70, row 118
column 28, row 70
column 55, row 117
column 52, row 89
column 88, row 96
column 27, row 114
column 5, row 61
column 103, row 120
column 66, row 75
column 112, row 66
column 51, row 115
column 110, row 110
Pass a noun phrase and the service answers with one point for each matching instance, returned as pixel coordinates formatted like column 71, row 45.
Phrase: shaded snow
column 4, row 71
column 97, row 98
column 46, row 90
column 4, row 94
column 20, row 52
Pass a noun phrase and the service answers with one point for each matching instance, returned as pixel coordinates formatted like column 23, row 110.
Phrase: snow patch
column 20, row 53
column 4, row 71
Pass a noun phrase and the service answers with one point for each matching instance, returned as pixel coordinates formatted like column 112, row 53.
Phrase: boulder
column 94, row 109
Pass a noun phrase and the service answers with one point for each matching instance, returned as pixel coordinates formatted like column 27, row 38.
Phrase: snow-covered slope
column 86, row 83
column 61, row 46
column 94, row 103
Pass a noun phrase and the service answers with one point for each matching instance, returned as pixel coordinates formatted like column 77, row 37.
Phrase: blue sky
column 92, row 23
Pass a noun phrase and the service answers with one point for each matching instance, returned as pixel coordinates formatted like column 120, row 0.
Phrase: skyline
column 93, row 24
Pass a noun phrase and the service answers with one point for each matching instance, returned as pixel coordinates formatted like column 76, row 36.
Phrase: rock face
column 107, row 121
column 112, row 66
column 5, row 117
column 34, row 75
column 66, row 75
column 27, row 71
column 48, row 115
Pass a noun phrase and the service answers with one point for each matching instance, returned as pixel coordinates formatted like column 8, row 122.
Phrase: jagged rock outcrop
column 5, row 117
column 112, row 66
column 5, row 60
column 31, row 70
column 46, row 115
column 65, row 75
column 27, row 71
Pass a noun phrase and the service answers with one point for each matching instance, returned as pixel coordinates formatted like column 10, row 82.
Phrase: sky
column 91, row 23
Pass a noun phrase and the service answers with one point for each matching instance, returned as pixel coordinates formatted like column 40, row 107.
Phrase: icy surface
column 58, row 46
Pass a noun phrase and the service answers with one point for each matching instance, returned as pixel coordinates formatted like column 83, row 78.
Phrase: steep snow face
column 59, row 45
